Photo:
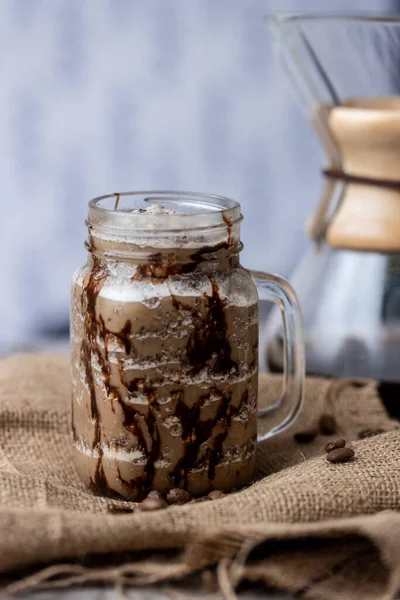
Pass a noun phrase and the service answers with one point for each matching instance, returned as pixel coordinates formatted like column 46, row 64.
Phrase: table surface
column 149, row 593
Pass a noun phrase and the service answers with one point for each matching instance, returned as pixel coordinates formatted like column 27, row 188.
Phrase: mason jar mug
column 164, row 342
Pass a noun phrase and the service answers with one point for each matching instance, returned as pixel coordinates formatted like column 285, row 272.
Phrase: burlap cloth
column 308, row 527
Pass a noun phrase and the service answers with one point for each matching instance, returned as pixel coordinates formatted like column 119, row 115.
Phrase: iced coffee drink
column 164, row 330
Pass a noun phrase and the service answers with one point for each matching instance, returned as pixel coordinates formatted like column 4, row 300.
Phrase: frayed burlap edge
column 254, row 553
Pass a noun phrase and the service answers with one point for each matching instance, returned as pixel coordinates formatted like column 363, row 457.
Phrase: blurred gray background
column 99, row 96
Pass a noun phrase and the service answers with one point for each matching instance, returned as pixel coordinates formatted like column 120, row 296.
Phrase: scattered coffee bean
column 367, row 433
column 305, row 437
column 178, row 496
column 155, row 494
column 153, row 504
column 203, row 499
column 327, row 424
column 333, row 445
column 340, row 455
column 215, row 494
column 119, row 510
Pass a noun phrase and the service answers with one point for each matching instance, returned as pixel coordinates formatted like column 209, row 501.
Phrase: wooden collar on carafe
column 366, row 132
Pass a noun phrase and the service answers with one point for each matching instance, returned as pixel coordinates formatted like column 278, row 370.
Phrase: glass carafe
column 346, row 72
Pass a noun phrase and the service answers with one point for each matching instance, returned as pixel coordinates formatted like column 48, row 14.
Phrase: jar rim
column 190, row 211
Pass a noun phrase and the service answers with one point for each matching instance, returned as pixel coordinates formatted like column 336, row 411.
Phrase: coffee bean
column 215, row 494
column 333, row 445
column 155, row 494
column 178, row 496
column 305, row 437
column 203, row 499
column 327, row 424
column 340, row 455
column 153, row 504
column 368, row 433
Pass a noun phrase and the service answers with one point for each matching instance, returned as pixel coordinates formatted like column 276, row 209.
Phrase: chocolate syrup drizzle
column 160, row 266
column 91, row 290
column 195, row 432
column 228, row 222
column 207, row 347
column 209, row 339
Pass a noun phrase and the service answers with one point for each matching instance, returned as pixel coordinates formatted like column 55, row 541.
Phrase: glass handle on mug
column 276, row 289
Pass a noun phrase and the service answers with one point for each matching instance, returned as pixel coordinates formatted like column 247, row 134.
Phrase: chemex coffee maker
column 346, row 72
